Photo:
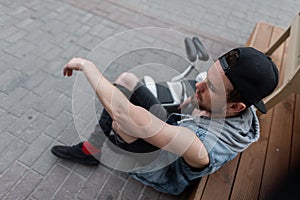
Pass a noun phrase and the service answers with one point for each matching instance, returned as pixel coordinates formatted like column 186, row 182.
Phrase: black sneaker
column 75, row 154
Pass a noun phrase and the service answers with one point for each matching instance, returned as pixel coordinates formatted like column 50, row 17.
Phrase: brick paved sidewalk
column 37, row 37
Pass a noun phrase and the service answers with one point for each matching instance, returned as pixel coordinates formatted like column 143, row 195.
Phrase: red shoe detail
column 89, row 149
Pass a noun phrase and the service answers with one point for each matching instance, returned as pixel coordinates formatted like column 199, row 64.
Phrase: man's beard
column 198, row 105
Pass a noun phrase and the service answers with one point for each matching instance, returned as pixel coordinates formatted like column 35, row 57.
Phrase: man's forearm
column 104, row 89
column 130, row 119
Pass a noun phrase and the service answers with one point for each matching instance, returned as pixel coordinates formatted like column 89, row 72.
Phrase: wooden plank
column 261, row 41
column 250, row 170
column 279, row 54
column 283, row 64
column 252, row 160
column 278, row 152
column 278, row 95
column 278, row 42
column 198, row 190
column 219, row 183
column 294, row 49
column 295, row 148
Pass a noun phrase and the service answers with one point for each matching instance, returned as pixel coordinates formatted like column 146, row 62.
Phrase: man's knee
column 128, row 80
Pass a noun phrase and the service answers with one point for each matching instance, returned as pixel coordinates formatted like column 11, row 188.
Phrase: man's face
column 211, row 93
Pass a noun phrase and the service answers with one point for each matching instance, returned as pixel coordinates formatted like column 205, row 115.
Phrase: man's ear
column 236, row 107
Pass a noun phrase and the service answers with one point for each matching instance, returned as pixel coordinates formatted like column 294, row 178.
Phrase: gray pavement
column 37, row 37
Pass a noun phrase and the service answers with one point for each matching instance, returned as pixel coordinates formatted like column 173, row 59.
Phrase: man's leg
column 139, row 95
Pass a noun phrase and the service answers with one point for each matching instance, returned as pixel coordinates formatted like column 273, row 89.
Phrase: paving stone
column 10, row 80
column 55, row 68
column 16, row 36
column 53, row 53
column 8, row 32
column 26, row 20
column 70, row 187
column 66, row 163
column 59, row 105
column 31, row 198
column 88, row 41
column 65, row 85
column 63, row 40
column 168, row 197
column 51, row 183
column 83, row 170
column 71, row 51
column 35, row 150
column 11, row 177
column 12, row 98
column 131, row 190
column 94, row 183
column 38, row 37
column 2, row 112
column 24, row 104
column 149, row 193
column 5, row 139
column 46, row 86
column 30, row 65
column 70, row 18
column 59, row 124
column 62, row 8
column 110, row 24
column 20, row 49
column 43, row 45
column 35, row 129
column 12, row 150
column 55, row 27
column 83, row 53
column 86, row 17
column 45, row 162
column 39, row 8
column 84, row 129
column 53, row 104
column 24, row 188
column 23, row 122
column 111, row 188
column 19, row 10
column 69, row 134
column 6, row 120
column 8, row 61
column 50, row 16
column 35, row 80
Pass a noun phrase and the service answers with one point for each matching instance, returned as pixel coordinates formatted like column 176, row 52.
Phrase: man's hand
column 76, row 64
column 185, row 103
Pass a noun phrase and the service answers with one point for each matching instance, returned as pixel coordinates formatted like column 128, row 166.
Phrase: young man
column 223, row 125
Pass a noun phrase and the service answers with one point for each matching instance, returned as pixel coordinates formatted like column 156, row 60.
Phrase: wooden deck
column 258, row 172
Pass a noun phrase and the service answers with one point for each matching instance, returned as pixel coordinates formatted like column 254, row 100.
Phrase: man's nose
column 200, row 86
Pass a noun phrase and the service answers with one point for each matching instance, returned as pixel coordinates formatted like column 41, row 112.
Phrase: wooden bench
column 257, row 172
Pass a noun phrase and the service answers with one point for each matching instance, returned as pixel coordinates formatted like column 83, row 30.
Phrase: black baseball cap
column 254, row 75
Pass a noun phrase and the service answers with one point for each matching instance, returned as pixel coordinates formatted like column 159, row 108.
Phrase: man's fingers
column 70, row 72
column 73, row 64
column 67, row 72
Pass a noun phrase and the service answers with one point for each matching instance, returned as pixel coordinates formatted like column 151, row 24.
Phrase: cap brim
column 261, row 107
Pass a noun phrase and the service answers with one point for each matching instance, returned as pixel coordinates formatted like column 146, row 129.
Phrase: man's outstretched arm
column 137, row 122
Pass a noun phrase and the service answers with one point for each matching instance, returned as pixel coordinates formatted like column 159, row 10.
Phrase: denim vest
column 223, row 140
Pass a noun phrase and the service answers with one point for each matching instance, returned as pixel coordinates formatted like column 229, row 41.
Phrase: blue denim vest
column 223, row 140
